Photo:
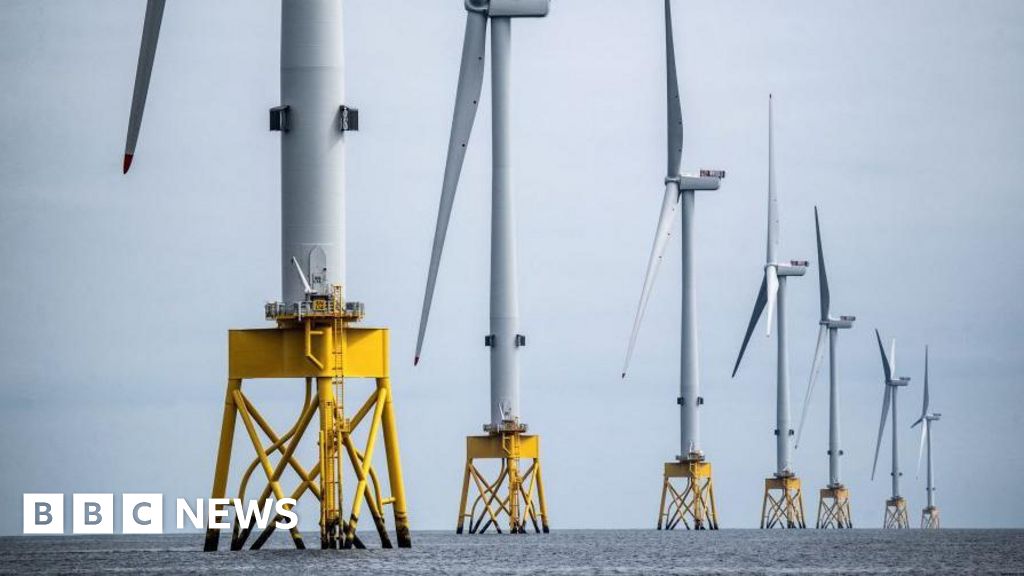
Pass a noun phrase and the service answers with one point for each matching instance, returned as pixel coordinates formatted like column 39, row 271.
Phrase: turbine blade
column 885, row 360
column 892, row 356
column 920, row 449
column 675, row 107
column 924, row 408
column 669, row 208
column 819, row 353
column 762, row 298
column 822, row 276
column 467, row 97
column 773, row 200
column 772, row 279
column 147, row 51
column 881, row 427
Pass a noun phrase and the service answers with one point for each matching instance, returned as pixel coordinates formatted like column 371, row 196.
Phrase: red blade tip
column 127, row 162
column 416, row 361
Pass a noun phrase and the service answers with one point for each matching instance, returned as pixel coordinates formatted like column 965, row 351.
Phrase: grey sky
column 901, row 120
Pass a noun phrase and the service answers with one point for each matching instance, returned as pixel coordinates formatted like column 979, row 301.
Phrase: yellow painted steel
column 783, row 504
column 692, row 504
column 896, row 514
column 282, row 353
column 515, row 496
column 930, row 518
column 834, row 508
column 322, row 348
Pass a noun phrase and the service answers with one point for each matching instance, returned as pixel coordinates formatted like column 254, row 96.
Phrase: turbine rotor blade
column 920, row 449
column 147, row 51
column 892, row 356
column 822, row 276
column 885, row 360
column 773, row 200
column 467, row 97
column 772, row 280
column 924, row 408
column 762, row 298
column 819, row 353
column 669, row 209
column 881, row 427
column 675, row 108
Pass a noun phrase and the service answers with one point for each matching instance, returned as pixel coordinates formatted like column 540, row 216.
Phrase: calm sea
column 562, row 552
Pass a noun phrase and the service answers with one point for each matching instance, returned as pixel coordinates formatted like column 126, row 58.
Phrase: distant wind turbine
column 930, row 514
column 787, row 509
column 834, row 500
column 693, row 505
column 896, row 505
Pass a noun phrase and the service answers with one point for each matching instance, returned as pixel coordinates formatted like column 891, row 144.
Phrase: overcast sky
column 902, row 121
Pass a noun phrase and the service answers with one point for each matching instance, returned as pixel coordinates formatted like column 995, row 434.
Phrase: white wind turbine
column 680, row 191
column 834, row 503
column 313, row 122
column 787, row 509
column 896, row 505
column 504, row 339
column 930, row 514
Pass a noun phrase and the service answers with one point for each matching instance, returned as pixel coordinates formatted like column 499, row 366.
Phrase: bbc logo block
column 142, row 513
column 92, row 514
column 43, row 514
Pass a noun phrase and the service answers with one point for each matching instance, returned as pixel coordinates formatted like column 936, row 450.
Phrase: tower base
column 896, row 514
column 693, row 503
column 314, row 341
column 930, row 517
column 783, row 504
column 834, row 508
column 513, row 497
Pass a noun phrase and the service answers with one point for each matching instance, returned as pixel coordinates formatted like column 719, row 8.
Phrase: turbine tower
column 515, row 494
column 694, row 503
column 896, row 506
column 783, row 504
column 314, row 337
column 834, row 499
column 930, row 514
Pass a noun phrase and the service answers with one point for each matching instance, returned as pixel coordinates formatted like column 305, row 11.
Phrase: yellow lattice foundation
column 515, row 496
column 930, row 517
column 320, row 346
column 834, row 508
column 692, row 503
column 783, row 505
column 896, row 514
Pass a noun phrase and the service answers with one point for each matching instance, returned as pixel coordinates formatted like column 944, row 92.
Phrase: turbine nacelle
column 510, row 8
column 693, row 183
column 900, row 381
column 841, row 323
column 791, row 268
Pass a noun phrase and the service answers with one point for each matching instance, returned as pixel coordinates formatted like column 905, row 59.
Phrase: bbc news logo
column 144, row 513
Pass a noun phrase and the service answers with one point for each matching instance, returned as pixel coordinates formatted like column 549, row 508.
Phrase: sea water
column 561, row 552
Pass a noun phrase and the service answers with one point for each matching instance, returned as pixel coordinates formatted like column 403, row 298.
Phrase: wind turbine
column 512, row 493
column 930, row 514
column 896, row 506
column 694, row 505
column 834, row 499
column 314, row 324
column 783, row 500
